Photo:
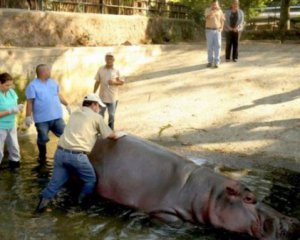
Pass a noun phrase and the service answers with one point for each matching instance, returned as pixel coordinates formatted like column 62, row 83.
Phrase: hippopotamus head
column 235, row 208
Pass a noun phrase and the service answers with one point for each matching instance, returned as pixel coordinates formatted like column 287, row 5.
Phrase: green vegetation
column 249, row 7
column 198, row 7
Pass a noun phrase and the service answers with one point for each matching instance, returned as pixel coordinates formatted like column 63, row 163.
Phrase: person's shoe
column 227, row 60
column 216, row 66
column 209, row 65
column 235, row 60
column 81, row 198
column 42, row 161
column 85, row 201
column 42, row 153
column 43, row 203
column 14, row 164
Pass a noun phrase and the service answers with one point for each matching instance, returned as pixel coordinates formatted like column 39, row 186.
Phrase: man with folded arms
column 213, row 30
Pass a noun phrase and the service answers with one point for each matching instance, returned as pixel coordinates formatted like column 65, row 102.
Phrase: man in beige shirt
column 213, row 29
column 78, row 139
column 109, row 80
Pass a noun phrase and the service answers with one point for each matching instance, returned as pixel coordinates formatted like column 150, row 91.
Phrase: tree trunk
column 284, row 18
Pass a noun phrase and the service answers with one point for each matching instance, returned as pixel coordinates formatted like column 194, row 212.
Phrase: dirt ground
column 244, row 113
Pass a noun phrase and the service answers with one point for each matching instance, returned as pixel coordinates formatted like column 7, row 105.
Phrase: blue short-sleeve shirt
column 46, row 103
column 8, row 101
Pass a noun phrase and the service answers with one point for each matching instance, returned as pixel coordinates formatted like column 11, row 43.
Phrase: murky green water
column 19, row 191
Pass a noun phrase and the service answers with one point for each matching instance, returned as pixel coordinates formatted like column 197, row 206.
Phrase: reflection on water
column 19, row 191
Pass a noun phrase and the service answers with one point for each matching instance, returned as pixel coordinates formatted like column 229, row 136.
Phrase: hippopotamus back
column 129, row 170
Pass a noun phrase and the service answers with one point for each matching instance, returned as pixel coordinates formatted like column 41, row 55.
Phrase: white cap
column 109, row 54
column 94, row 98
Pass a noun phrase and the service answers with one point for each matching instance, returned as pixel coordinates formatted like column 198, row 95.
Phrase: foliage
column 198, row 7
column 249, row 7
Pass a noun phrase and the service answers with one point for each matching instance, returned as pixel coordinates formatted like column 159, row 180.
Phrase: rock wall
column 37, row 28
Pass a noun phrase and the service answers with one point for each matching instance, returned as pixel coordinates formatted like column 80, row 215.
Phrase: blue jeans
column 64, row 162
column 111, row 107
column 56, row 126
column 213, row 38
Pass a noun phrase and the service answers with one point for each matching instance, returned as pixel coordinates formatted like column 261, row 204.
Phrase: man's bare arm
column 29, row 107
column 63, row 100
column 96, row 86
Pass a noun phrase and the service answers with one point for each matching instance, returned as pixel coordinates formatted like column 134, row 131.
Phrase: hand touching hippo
column 145, row 176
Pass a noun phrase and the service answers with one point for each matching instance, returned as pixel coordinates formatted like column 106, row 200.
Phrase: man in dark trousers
column 234, row 22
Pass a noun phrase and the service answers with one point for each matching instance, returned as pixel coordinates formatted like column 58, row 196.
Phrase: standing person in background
column 234, row 23
column 44, row 103
column 109, row 80
column 8, row 109
column 213, row 30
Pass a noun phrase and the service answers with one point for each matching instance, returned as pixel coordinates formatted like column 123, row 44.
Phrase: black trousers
column 232, row 42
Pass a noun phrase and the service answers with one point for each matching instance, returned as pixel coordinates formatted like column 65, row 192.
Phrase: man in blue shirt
column 44, row 104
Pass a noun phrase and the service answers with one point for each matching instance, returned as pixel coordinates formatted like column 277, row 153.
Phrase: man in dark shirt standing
column 234, row 21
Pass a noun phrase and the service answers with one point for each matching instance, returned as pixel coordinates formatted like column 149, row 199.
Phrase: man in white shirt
column 109, row 80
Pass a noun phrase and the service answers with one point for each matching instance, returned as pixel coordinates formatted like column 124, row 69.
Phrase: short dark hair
column 38, row 67
column 5, row 77
column 87, row 103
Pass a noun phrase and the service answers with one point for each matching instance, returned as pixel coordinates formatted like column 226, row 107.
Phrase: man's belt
column 71, row 151
column 212, row 28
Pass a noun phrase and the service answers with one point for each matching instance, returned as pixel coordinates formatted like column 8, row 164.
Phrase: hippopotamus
column 152, row 179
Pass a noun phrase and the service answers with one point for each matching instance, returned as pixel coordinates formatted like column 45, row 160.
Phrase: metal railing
column 160, row 8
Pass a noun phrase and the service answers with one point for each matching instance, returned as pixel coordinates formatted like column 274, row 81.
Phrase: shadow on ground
column 165, row 73
column 273, row 99
column 200, row 140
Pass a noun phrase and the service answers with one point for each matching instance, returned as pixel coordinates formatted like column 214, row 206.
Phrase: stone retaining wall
column 37, row 28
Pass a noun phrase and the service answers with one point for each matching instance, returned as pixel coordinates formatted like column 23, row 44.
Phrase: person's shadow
column 273, row 99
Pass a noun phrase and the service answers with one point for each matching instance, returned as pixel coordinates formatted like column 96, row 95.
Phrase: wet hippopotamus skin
column 142, row 175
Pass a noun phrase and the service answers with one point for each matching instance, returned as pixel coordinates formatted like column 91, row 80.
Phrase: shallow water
column 19, row 191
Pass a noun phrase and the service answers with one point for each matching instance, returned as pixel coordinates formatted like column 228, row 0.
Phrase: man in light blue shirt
column 44, row 104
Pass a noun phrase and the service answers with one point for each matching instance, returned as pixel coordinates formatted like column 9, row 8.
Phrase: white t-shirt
column 108, row 93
